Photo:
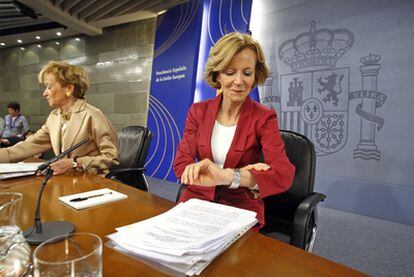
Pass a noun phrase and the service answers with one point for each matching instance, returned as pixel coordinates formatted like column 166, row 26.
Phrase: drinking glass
column 14, row 250
column 76, row 254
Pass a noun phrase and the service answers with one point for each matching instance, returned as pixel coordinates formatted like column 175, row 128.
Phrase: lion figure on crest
column 330, row 85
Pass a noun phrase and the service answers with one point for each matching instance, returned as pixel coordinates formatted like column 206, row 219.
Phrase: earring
column 68, row 94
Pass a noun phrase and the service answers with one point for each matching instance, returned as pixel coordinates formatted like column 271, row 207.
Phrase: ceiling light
column 37, row 37
column 161, row 12
column 77, row 39
column 57, row 43
column 22, row 48
column 20, row 41
column 39, row 46
column 58, row 34
column 2, row 44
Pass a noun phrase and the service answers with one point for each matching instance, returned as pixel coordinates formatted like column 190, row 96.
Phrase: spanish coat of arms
column 314, row 97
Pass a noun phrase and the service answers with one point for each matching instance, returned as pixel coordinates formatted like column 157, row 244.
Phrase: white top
column 221, row 139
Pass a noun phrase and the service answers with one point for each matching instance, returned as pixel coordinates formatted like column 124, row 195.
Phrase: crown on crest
column 316, row 48
column 370, row 59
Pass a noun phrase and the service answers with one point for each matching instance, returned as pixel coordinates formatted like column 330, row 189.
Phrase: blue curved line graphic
column 165, row 141
column 231, row 16
column 158, row 138
column 208, row 22
column 190, row 13
column 242, row 12
column 172, row 39
column 220, row 11
column 172, row 137
column 171, row 119
column 159, row 49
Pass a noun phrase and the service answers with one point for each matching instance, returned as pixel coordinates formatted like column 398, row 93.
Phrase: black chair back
column 134, row 143
column 301, row 153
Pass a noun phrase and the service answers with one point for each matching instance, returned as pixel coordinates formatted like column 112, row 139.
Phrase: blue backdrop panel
column 220, row 17
column 172, row 83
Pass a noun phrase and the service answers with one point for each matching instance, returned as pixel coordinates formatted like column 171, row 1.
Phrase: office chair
column 292, row 216
column 134, row 143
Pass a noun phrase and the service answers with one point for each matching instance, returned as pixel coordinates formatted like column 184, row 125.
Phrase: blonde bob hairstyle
column 67, row 74
column 223, row 52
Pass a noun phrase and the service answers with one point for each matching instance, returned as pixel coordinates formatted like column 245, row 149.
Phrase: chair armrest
column 302, row 218
column 180, row 191
column 119, row 171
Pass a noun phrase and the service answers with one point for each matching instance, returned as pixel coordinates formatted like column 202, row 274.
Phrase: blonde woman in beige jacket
column 72, row 121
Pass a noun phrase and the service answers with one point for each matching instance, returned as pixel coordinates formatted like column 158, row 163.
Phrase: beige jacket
column 86, row 121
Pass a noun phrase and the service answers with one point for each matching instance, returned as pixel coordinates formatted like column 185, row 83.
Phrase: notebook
column 91, row 198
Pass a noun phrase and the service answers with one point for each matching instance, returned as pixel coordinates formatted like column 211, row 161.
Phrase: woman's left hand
column 257, row 166
column 5, row 141
column 62, row 166
column 203, row 173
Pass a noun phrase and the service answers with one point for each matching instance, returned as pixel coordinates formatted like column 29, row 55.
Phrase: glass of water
column 77, row 254
column 14, row 250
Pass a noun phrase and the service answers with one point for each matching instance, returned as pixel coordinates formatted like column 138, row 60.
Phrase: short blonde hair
column 67, row 74
column 223, row 52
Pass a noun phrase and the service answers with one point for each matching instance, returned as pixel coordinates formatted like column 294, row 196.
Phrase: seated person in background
column 2, row 123
column 72, row 121
column 16, row 126
column 218, row 157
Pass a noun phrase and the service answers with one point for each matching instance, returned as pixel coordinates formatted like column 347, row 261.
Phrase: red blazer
column 257, row 131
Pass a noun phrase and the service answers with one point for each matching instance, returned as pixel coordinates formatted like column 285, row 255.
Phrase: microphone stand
column 41, row 232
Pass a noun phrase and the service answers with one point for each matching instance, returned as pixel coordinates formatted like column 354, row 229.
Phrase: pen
column 88, row 197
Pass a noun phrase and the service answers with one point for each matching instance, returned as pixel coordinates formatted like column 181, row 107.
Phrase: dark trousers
column 12, row 140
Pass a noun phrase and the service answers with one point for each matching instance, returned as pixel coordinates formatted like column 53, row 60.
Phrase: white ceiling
column 26, row 19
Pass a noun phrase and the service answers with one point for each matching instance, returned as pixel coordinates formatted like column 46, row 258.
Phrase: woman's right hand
column 203, row 173
column 62, row 166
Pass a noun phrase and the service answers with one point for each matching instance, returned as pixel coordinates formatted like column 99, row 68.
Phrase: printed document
column 187, row 237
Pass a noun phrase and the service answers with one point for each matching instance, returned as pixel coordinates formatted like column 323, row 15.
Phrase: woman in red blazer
column 218, row 157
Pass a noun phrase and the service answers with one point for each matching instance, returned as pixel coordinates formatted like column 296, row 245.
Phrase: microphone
column 39, row 232
column 46, row 164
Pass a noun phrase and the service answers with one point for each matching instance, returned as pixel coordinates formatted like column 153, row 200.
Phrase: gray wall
column 119, row 64
column 370, row 168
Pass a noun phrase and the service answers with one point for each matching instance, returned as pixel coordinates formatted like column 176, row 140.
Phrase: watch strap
column 235, row 183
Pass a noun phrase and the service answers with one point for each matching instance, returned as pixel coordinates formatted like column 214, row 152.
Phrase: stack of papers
column 187, row 238
column 12, row 170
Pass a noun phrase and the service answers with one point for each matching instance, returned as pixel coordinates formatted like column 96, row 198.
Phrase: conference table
column 252, row 255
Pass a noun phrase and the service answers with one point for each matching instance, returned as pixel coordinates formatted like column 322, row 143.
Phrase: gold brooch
column 66, row 116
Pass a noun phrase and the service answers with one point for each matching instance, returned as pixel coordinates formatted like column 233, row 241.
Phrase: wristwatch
column 235, row 183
